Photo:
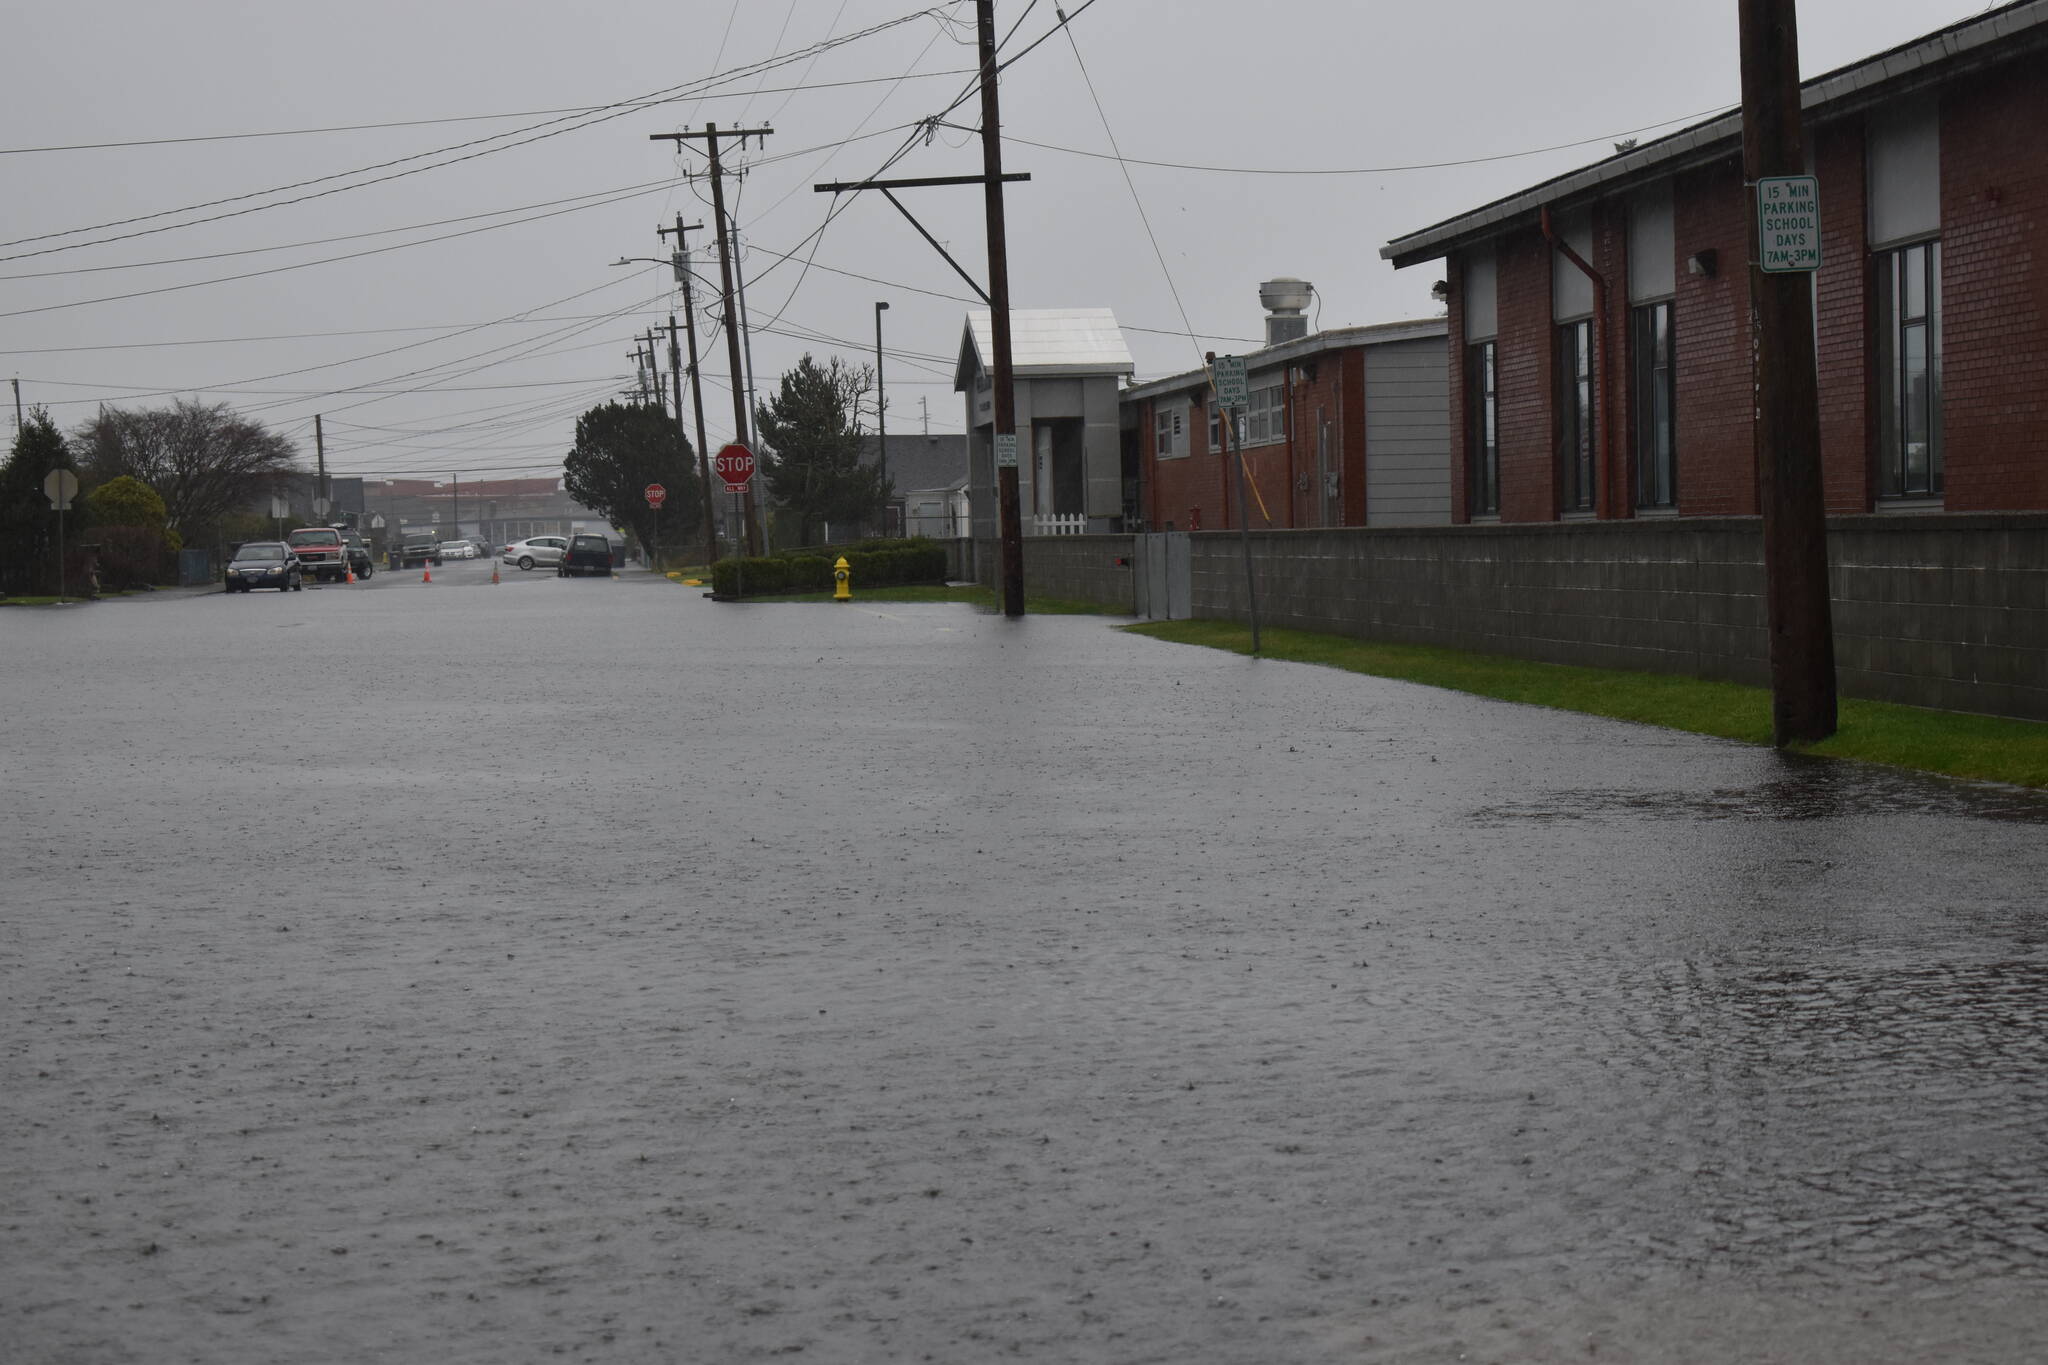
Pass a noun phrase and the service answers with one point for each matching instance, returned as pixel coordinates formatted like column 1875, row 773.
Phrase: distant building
column 496, row 510
column 930, row 478
column 1345, row 427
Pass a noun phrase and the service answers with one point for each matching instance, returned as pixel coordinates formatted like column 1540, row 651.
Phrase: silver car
column 543, row 550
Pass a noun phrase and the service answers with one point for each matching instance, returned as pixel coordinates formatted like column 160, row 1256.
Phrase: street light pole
column 881, row 411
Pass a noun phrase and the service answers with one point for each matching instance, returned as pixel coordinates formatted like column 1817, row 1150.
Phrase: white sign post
column 1788, row 223
column 1231, row 385
column 61, row 486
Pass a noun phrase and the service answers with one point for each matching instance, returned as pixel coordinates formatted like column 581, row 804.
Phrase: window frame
column 1897, row 478
column 1578, row 408
column 1654, row 378
column 1169, row 426
column 1482, row 428
column 1265, row 415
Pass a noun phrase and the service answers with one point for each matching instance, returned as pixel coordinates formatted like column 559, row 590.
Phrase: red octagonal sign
column 735, row 464
column 656, row 496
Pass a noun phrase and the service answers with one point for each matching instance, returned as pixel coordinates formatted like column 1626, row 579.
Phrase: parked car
column 265, row 564
column 586, row 554
column 415, row 548
column 544, row 550
column 360, row 560
column 457, row 549
column 482, row 546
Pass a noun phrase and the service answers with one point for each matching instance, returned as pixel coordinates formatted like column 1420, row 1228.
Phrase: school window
column 1909, row 371
column 1168, row 425
column 1656, row 410
column 1575, row 415
column 1482, row 432
column 1215, row 427
column 1264, row 418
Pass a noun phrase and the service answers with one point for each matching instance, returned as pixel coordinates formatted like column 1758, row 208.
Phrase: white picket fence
column 1073, row 524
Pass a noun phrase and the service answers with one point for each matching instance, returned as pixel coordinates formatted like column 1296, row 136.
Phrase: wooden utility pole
column 682, row 268
column 1787, row 396
column 732, row 332
column 881, row 410
column 1010, row 517
column 320, row 461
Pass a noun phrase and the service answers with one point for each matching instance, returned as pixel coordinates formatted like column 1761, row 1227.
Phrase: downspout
column 1603, row 367
column 1293, row 382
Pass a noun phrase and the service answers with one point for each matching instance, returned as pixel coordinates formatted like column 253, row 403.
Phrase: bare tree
column 204, row 459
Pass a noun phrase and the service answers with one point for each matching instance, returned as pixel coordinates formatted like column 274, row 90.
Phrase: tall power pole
column 740, row 424
column 1011, row 527
column 682, row 268
column 320, row 460
column 881, row 409
column 1787, row 396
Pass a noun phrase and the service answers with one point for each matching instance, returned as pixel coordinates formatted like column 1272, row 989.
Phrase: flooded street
column 582, row 969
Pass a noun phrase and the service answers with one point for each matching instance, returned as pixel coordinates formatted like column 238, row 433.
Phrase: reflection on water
column 1800, row 788
column 1857, row 1118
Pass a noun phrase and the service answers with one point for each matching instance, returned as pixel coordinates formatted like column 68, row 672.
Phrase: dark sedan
column 265, row 564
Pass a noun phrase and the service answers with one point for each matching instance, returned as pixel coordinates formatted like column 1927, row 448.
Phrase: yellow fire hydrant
column 842, row 578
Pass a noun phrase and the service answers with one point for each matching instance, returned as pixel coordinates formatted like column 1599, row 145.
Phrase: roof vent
column 1284, row 300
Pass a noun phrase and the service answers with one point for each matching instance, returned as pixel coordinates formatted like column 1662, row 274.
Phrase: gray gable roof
column 919, row 462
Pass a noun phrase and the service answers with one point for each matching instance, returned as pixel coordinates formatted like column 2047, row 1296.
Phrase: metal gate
column 1165, row 576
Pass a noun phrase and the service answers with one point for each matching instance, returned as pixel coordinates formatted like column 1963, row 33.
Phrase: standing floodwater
column 599, row 967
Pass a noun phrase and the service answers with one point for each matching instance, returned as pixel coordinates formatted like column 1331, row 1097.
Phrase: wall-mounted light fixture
column 1441, row 291
column 1702, row 263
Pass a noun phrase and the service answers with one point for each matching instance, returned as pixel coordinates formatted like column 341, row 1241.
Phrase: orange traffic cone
column 494, row 572
column 351, row 573
column 426, row 575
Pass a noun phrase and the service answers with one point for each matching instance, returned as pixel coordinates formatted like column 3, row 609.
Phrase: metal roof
column 1047, row 343
column 1301, row 348
column 1977, row 41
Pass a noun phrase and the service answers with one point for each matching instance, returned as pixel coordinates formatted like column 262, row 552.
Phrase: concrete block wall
column 1943, row 611
column 1081, row 569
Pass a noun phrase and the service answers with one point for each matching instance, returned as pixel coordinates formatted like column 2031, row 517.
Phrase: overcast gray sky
column 473, row 353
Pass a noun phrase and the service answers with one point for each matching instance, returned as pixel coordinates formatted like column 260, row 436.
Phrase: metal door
column 1165, row 579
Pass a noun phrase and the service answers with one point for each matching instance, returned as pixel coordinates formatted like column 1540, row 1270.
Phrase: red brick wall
column 1710, row 334
column 1174, row 486
column 1847, row 417
column 1994, row 281
column 1528, row 467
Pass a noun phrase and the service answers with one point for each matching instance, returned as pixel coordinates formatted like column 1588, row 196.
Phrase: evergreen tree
column 620, row 449
column 812, row 430
column 28, row 528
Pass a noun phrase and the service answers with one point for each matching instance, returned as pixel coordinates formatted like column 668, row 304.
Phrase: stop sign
column 735, row 464
column 656, row 495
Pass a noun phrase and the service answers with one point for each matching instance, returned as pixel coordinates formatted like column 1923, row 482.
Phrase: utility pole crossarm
column 919, row 182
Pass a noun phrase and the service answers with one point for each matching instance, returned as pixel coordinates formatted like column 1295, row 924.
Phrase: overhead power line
column 470, row 150
column 571, row 110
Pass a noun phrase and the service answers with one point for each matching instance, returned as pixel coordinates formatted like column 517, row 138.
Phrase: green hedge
column 871, row 563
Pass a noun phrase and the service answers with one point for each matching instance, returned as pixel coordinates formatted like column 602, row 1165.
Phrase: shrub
column 127, row 502
column 872, row 563
column 130, row 556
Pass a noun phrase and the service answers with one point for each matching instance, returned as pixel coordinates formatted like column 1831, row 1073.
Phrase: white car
column 457, row 549
column 542, row 550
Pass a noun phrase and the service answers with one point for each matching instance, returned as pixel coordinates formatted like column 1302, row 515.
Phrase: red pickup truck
column 321, row 550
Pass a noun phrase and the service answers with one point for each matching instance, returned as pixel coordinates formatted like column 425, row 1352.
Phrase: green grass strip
column 972, row 594
column 1990, row 748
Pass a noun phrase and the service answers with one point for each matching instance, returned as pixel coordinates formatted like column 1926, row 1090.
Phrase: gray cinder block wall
column 1948, row 611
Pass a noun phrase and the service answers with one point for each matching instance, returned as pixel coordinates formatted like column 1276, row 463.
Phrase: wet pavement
column 580, row 968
